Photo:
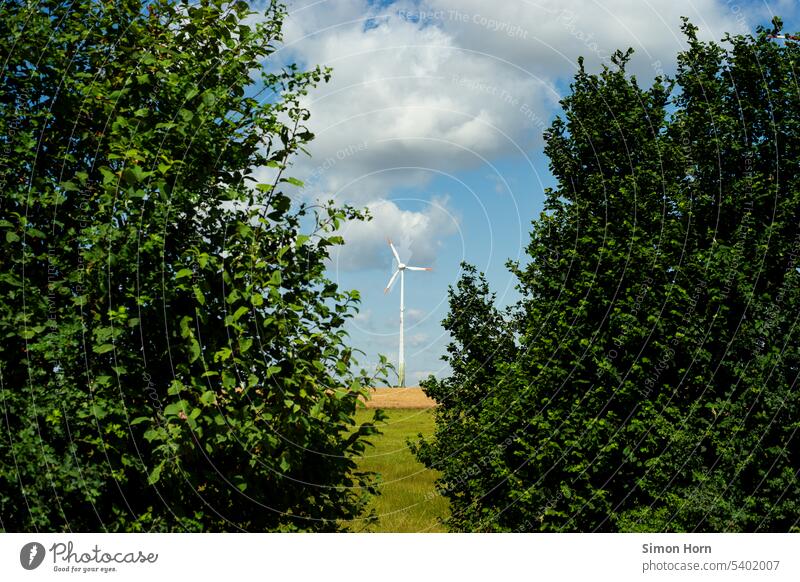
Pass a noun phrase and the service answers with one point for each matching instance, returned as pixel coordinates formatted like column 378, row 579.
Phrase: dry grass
column 405, row 398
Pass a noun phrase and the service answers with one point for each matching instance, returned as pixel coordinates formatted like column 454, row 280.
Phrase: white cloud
column 412, row 101
column 414, row 315
column 446, row 84
column 416, row 235
column 363, row 317
column 547, row 36
column 431, row 88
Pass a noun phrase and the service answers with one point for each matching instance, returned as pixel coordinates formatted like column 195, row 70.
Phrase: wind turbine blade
column 419, row 268
column 394, row 251
column 391, row 281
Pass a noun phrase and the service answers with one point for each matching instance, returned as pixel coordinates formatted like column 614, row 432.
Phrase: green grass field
column 408, row 501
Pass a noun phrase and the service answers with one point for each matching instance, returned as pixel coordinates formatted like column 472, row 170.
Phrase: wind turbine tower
column 401, row 269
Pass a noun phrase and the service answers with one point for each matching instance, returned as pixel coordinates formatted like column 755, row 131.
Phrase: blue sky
column 433, row 120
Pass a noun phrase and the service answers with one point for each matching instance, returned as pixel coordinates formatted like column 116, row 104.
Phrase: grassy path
column 408, row 501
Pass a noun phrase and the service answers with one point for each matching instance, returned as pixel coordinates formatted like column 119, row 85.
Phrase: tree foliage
column 652, row 380
column 171, row 352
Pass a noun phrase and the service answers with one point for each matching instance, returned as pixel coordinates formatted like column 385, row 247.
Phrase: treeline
column 649, row 372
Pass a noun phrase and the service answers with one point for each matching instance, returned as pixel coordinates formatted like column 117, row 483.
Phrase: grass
column 408, row 501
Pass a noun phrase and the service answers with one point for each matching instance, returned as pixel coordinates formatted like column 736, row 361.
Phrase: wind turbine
column 401, row 269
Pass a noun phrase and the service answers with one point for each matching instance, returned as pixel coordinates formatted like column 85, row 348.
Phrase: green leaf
column 233, row 296
column 102, row 349
column 317, row 408
column 155, row 475
column 98, row 412
column 108, row 175
column 239, row 313
column 194, row 350
column 173, row 409
column 198, row 295
column 244, row 344
column 134, row 174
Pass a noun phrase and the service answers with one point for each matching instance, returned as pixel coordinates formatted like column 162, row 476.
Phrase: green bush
column 648, row 379
column 171, row 352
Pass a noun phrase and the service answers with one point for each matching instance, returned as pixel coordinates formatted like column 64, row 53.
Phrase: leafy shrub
column 171, row 351
column 648, row 381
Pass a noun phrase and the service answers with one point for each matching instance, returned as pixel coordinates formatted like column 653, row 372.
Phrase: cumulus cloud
column 416, row 235
column 429, row 88
column 406, row 102
column 448, row 84
column 546, row 37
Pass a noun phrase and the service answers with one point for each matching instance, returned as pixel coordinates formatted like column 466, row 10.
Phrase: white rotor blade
column 389, row 285
column 394, row 251
column 419, row 268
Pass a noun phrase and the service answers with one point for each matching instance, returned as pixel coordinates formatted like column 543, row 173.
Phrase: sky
column 433, row 120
